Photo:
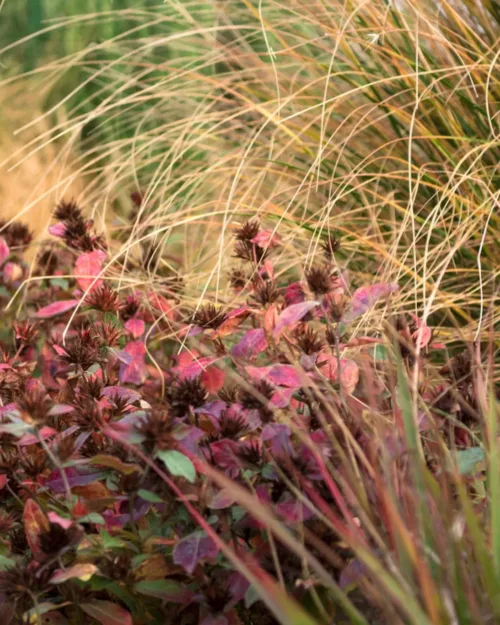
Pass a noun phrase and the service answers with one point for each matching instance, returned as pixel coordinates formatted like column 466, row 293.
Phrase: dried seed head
column 25, row 332
column 331, row 245
column 130, row 308
column 232, row 427
column 238, row 279
column 265, row 293
column 16, row 235
column 186, row 394
column 248, row 230
column 156, row 429
column 319, row 280
column 68, row 211
column 209, row 317
column 308, row 340
column 103, row 298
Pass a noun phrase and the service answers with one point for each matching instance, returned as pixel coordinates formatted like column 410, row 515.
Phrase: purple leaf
column 222, row 499
column 279, row 435
column 351, row 574
column 135, row 372
column 213, row 408
column 237, row 585
column 193, row 549
column 76, row 477
column 56, row 308
column 291, row 315
column 252, row 343
column 188, row 437
column 293, row 511
column 365, row 297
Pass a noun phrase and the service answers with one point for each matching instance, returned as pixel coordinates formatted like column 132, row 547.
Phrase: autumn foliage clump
column 258, row 461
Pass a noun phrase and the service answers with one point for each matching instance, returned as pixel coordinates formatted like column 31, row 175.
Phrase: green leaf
column 147, row 495
column 109, row 542
column 467, row 459
column 62, row 282
column 178, row 464
column 162, row 589
column 6, row 563
column 92, row 517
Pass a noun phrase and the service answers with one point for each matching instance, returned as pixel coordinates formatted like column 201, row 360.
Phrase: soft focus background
column 378, row 120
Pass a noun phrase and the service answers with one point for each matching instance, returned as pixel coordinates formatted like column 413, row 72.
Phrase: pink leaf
column 4, row 251
column 266, row 238
column 56, row 308
column 107, row 613
column 196, row 367
column 136, row 327
column 349, row 375
column 135, row 372
column 87, row 267
column 292, row 315
column 365, row 297
column 422, row 334
column 193, row 549
column 77, row 571
column 58, row 230
column 252, row 343
column 123, row 393
column 3, row 480
column 349, row 371
column 59, row 520
column 12, row 272
column 282, row 375
column 32, row 439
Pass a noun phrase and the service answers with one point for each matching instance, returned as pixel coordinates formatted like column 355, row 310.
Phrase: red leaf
column 3, row 481
column 194, row 548
column 4, row 251
column 162, row 304
column 213, row 379
column 252, row 343
column 293, row 314
column 135, row 372
column 107, row 613
column 136, row 327
column 56, row 308
column 87, row 267
column 35, row 522
column 365, row 297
